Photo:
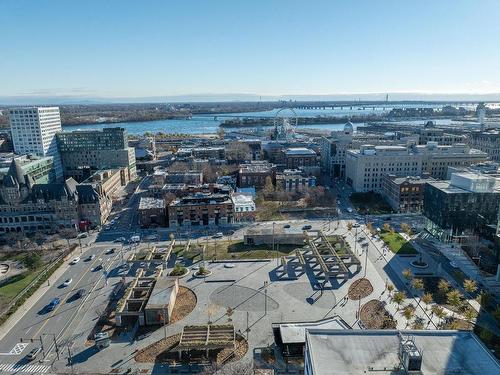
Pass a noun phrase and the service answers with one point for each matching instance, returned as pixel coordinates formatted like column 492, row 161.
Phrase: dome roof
column 348, row 127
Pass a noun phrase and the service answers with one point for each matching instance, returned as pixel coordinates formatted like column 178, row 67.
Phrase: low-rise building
column 469, row 202
column 201, row 210
column 404, row 194
column 151, row 211
column 188, row 177
column 40, row 168
column 295, row 180
column 487, row 141
column 255, row 174
column 300, row 157
column 94, row 205
column 244, row 207
column 217, row 153
column 358, row 351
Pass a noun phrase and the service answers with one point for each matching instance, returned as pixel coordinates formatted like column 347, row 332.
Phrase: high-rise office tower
column 33, row 132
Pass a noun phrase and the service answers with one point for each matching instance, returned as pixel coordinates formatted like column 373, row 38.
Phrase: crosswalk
column 29, row 368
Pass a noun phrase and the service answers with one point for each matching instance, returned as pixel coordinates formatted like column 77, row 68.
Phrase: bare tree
column 238, row 151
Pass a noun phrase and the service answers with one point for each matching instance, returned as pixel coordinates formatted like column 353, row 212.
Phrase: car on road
column 218, row 235
column 80, row 293
column 120, row 239
column 53, row 303
column 135, row 239
column 286, row 226
column 453, row 264
column 67, row 282
column 75, row 260
column 33, row 354
column 110, row 251
column 356, row 225
column 89, row 258
column 97, row 268
column 229, row 232
column 229, row 265
column 388, row 218
column 306, row 227
column 82, row 235
column 349, row 209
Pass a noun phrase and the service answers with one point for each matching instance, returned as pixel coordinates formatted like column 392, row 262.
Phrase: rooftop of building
column 398, row 180
column 299, row 151
column 361, row 351
column 257, row 167
column 202, row 198
column 160, row 296
column 240, row 199
column 148, row 203
column 467, row 182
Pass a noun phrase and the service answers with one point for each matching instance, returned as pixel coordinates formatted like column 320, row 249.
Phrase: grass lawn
column 236, row 249
column 370, row 203
column 19, row 282
column 397, row 243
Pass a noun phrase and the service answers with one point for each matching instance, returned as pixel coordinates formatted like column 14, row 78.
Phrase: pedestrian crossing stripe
column 18, row 348
column 15, row 367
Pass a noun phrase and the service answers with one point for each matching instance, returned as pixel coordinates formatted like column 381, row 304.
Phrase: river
column 206, row 124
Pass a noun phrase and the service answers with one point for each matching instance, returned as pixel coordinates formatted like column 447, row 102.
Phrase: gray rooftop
column 148, row 202
column 160, row 296
column 363, row 351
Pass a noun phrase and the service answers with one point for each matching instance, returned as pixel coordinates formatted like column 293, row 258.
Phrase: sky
column 133, row 49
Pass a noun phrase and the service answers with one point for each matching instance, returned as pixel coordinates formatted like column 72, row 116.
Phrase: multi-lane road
column 55, row 329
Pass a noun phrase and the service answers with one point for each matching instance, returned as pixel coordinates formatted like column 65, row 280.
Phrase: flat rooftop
column 148, row 202
column 363, row 351
column 160, row 296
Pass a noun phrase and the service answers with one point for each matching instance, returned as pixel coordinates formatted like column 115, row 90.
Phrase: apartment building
column 85, row 152
column 201, row 210
column 487, row 141
column 33, row 132
column 404, row 194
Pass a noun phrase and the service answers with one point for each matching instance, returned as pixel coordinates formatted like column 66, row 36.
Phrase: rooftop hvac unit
column 410, row 356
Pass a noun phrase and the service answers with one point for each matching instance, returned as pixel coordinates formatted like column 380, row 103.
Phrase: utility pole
column 165, row 322
column 70, row 359
column 265, row 301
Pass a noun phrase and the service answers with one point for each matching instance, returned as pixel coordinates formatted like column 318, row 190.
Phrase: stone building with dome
column 334, row 148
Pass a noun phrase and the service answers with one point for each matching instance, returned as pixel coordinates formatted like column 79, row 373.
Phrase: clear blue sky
column 126, row 48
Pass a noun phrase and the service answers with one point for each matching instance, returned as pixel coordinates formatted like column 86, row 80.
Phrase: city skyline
column 95, row 51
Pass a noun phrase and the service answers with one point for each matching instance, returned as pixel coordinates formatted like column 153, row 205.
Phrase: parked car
column 110, row 251
column 67, row 282
column 306, row 227
column 33, row 354
column 75, row 260
column 82, row 235
column 349, row 209
column 356, row 225
column 53, row 303
column 286, row 226
column 218, row 235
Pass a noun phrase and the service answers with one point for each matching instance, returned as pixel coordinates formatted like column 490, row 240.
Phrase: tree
column 406, row 229
column 179, row 166
column 238, row 152
column 408, row 313
column 32, row 260
column 470, row 286
column 454, row 298
column 39, row 239
column 268, row 189
column 349, row 226
column 470, row 314
column 390, row 288
column 220, row 133
column 67, row 234
column 443, row 286
column 418, row 284
column 370, row 228
column 427, row 299
column 387, row 227
column 209, row 174
column 418, row 323
column 407, row 274
column 438, row 311
column 398, row 298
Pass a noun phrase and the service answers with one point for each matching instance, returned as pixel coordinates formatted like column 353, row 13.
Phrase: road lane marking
column 18, row 348
column 67, row 295
column 9, row 367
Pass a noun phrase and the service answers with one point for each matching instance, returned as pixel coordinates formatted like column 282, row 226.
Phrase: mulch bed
column 359, row 289
column 161, row 351
column 184, row 304
column 373, row 315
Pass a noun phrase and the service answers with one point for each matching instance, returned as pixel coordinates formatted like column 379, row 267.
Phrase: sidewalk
column 35, row 297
